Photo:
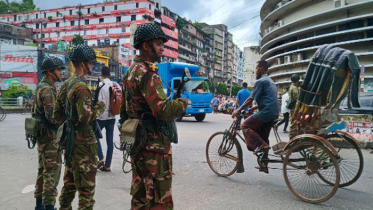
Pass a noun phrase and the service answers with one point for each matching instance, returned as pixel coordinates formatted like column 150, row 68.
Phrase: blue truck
column 196, row 90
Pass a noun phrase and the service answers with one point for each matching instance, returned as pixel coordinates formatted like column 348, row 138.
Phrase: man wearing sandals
column 257, row 127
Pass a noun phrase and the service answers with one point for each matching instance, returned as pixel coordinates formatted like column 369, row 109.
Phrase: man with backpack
column 111, row 93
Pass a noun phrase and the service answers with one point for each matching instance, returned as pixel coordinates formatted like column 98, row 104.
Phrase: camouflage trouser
column 151, row 181
column 49, row 171
column 81, row 176
column 293, row 126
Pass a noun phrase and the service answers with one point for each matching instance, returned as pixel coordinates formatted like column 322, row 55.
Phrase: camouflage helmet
column 148, row 31
column 82, row 52
column 50, row 63
column 295, row 78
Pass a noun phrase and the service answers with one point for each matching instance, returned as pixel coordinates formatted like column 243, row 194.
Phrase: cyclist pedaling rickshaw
column 257, row 127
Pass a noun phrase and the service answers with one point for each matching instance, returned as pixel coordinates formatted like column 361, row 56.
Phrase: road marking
column 28, row 189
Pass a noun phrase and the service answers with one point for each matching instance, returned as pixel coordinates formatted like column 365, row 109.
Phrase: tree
column 222, row 89
column 15, row 92
column 212, row 87
column 198, row 25
column 77, row 40
column 180, row 23
column 15, row 7
column 235, row 90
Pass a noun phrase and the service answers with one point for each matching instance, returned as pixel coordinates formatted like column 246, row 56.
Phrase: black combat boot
column 49, row 207
column 39, row 204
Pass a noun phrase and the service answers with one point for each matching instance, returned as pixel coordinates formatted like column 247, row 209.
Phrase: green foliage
column 212, row 86
column 222, row 89
column 77, row 40
column 95, row 14
column 15, row 7
column 166, row 8
column 79, row 13
column 198, row 25
column 180, row 23
column 216, row 59
column 235, row 89
column 15, row 92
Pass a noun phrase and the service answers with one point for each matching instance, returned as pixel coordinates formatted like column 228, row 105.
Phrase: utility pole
column 80, row 17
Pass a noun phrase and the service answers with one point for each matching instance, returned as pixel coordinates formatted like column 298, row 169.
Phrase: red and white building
column 98, row 23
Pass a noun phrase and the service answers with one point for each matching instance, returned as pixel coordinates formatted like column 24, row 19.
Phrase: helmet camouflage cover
column 82, row 52
column 50, row 63
column 148, row 31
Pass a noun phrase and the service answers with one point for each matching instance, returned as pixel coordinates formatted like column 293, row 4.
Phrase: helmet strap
column 87, row 68
column 55, row 75
column 157, row 58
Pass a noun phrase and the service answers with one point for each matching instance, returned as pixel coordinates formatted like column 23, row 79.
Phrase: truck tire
column 179, row 118
column 200, row 117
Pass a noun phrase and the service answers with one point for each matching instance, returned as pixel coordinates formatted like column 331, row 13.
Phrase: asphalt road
column 195, row 186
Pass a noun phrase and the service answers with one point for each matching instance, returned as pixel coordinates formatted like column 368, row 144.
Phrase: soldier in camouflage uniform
column 81, row 176
column 293, row 94
column 49, row 168
column 143, row 93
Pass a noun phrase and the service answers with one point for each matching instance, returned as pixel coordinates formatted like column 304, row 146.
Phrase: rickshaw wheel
column 304, row 162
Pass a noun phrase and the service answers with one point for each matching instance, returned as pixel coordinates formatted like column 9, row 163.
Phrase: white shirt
column 104, row 94
column 285, row 97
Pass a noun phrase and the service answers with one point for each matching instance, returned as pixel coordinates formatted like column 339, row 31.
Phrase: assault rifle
column 95, row 126
column 183, row 81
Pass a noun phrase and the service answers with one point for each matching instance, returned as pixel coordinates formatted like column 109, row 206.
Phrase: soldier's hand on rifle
column 185, row 101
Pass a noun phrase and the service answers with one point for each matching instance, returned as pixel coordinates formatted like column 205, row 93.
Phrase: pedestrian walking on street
column 49, row 157
column 107, row 119
column 242, row 95
column 74, row 107
column 284, row 111
column 293, row 96
column 143, row 96
column 215, row 104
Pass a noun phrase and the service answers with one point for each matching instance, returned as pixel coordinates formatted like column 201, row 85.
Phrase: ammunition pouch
column 132, row 136
column 168, row 128
column 62, row 134
column 33, row 128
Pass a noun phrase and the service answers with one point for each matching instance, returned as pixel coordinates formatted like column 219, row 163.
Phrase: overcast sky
column 241, row 16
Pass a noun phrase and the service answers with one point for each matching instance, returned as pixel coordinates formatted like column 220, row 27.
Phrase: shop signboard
column 18, row 58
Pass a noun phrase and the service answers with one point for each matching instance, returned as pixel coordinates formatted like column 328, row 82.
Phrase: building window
column 72, row 23
column 118, row 19
column 71, row 12
column 133, row 17
column 123, row 29
column 107, row 31
column 325, row 31
column 37, row 25
column 150, row 6
column 57, row 24
column 101, row 20
column 103, row 9
column 137, row 5
column 42, row 35
column 45, row 15
column 351, row 25
column 58, row 34
column 157, row 5
column 115, row 7
column 86, row 22
column 89, row 10
column 85, row 33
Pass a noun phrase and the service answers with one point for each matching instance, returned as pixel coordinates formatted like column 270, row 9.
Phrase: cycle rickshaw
column 321, row 157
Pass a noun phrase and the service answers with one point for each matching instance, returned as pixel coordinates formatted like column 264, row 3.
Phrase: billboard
column 18, row 58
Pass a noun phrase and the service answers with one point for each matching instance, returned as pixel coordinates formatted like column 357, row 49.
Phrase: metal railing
column 13, row 102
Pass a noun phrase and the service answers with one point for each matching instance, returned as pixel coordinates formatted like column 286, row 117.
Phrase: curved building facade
column 292, row 30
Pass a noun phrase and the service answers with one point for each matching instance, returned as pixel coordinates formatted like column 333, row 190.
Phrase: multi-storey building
column 98, row 24
column 252, row 56
column 240, row 67
column 195, row 48
column 217, row 33
column 293, row 30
